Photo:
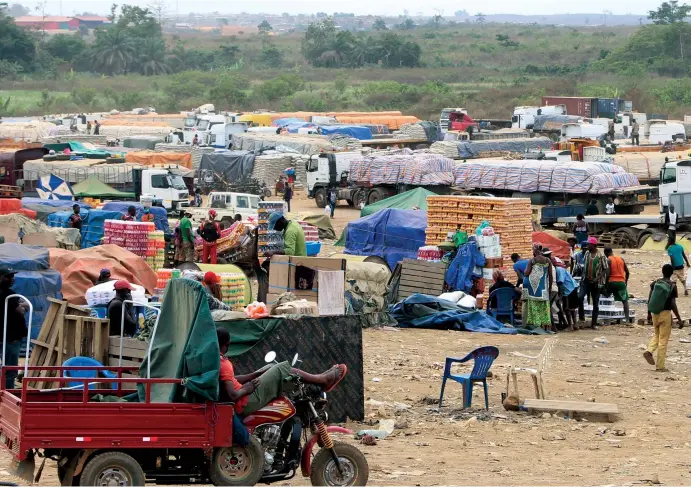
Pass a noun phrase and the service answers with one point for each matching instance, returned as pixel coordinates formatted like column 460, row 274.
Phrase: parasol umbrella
column 52, row 187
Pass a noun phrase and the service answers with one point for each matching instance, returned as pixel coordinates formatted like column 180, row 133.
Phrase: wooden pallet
column 608, row 409
column 420, row 276
column 7, row 191
column 133, row 353
column 83, row 336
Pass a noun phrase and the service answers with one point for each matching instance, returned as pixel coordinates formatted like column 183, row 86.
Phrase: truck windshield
column 177, row 182
column 669, row 175
column 190, row 122
column 203, row 125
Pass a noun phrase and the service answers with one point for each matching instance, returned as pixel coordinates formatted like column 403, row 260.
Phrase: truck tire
column 112, row 466
column 351, row 203
column 320, row 197
column 237, row 465
column 375, row 196
column 360, row 196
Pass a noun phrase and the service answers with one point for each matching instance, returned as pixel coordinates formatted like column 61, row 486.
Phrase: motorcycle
column 282, row 436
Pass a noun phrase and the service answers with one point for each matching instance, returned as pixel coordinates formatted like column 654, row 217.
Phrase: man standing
column 16, row 322
column 75, row 219
column 671, row 223
column 592, row 208
column 618, row 280
column 634, row 134
column 293, row 235
column 147, row 216
column 288, row 194
column 187, row 238
column 131, row 214
column 594, row 277
column 195, row 140
column 678, row 258
column 210, row 233
column 97, row 128
column 116, row 308
column 103, row 276
column 519, row 267
column 333, row 200
column 662, row 300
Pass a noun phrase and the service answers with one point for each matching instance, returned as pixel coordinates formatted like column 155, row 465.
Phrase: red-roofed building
column 47, row 23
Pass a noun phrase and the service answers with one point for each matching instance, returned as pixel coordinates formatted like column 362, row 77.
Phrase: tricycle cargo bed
column 71, row 419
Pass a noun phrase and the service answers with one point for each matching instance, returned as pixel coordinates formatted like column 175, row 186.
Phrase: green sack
column 460, row 238
column 662, row 290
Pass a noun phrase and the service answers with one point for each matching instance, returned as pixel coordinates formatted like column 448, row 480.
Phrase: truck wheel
column 375, row 196
column 237, row 465
column 351, row 203
column 112, row 468
column 320, row 197
column 359, row 197
column 353, row 463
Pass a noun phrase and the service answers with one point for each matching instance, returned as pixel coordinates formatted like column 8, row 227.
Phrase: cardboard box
column 487, row 240
column 492, row 251
column 283, row 270
column 301, row 307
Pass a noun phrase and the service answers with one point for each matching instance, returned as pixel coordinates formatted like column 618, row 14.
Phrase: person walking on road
column 187, row 238
column 679, row 262
column 580, row 229
column 288, row 194
column 662, row 301
column 536, row 289
column 671, row 222
column 635, row 140
column 333, row 199
column 617, row 280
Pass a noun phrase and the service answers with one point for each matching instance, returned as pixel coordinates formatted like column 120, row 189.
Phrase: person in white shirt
column 671, row 222
column 609, row 207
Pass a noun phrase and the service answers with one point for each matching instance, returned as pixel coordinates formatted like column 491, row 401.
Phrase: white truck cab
column 220, row 134
column 524, row 117
column 675, row 179
column 329, row 169
column 582, row 131
column 161, row 184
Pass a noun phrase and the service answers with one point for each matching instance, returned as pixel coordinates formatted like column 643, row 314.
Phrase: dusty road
column 650, row 441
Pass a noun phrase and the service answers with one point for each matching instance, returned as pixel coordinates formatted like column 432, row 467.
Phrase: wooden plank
column 567, row 406
column 126, row 352
column 424, row 273
column 424, row 263
column 113, row 362
column 101, row 340
column 413, row 290
column 128, row 343
column 422, row 279
column 51, row 354
column 47, row 335
column 422, row 268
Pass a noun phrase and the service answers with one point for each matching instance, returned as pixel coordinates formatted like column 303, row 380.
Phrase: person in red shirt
column 131, row 214
column 253, row 391
column 210, row 232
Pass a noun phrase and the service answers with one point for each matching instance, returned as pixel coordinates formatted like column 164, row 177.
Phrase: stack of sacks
column 419, row 168
column 196, row 151
column 343, row 142
column 411, row 131
column 445, row 148
column 271, row 165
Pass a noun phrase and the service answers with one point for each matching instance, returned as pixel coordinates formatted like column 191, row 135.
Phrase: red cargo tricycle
column 130, row 443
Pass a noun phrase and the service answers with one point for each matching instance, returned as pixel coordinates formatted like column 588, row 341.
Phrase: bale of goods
column 271, row 165
column 394, row 122
column 303, row 144
column 196, row 151
column 511, row 219
column 646, row 165
column 549, row 176
column 421, row 169
column 343, row 142
column 446, row 148
column 420, row 130
column 82, row 138
column 33, row 131
column 120, row 131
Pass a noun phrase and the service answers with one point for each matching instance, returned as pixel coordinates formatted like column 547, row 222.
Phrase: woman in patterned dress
column 536, row 286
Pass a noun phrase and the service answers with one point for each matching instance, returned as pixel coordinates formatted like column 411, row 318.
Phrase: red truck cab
column 459, row 121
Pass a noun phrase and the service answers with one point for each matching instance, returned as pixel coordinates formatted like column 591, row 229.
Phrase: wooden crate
column 133, row 353
column 83, row 336
column 420, row 276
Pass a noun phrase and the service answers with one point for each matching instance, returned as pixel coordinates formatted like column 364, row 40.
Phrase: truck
column 163, row 185
column 203, row 126
column 220, row 134
column 227, row 205
column 524, row 117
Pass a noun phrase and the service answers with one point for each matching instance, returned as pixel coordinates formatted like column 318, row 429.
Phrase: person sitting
column 253, row 391
column 213, row 292
column 499, row 283
column 103, row 276
column 131, row 214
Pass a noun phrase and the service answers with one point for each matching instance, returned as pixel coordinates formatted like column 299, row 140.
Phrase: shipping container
column 607, row 107
column 575, row 105
column 658, row 116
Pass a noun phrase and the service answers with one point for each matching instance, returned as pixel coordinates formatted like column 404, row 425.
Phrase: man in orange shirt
column 254, row 391
column 617, row 280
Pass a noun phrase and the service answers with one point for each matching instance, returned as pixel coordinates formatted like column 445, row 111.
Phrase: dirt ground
column 650, row 441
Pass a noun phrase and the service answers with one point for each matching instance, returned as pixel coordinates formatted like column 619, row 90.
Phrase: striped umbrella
column 52, row 187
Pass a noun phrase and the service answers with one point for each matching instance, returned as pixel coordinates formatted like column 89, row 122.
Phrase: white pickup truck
column 227, row 205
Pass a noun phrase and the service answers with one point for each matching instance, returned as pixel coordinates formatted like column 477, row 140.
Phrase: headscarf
column 537, row 247
column 497, row 275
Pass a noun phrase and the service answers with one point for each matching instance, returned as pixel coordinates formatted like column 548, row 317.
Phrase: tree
column 227, row 55
column 379, row 24
column 181, row 58
column 669, row 13
column 67, row 47
column 479, row 18
column 16, row 46
column 265, row 27
column 152, row 58
column 17, row 10
column 159, row 9
column 113, row 52
column 228, row 92
column 280, row 87
column 271, row 56
column 407, row 24
column 506, row 41
column 47, row 101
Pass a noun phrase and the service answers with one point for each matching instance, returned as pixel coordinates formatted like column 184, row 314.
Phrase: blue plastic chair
column 86, row 374
column 505, row 298
column 483, row 357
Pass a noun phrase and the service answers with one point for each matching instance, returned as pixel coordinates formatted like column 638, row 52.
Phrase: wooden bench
column 585, row 407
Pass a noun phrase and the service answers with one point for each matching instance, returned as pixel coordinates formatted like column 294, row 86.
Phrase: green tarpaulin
column 142, row 142
column 245, row 334
column 405, row 201
column 95, row 188
column 185, row 347
column 79, row 149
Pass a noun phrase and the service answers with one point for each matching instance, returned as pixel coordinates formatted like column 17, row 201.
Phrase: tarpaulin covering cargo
column 80, row 269
column 548, row 176
column 394, row 122
column 421, row 169
column 160, row 214
column 227, row 166
column 304, row 144
column 149, row 158
column 553, row 122
column 469, row 149
column 646, row 166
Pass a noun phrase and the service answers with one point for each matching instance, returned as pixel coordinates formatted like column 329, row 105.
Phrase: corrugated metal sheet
column 575, row 105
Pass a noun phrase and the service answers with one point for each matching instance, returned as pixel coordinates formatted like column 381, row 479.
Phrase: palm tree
column 152, row 58
column 180, row 58
column 362, row 51
column 113, row 51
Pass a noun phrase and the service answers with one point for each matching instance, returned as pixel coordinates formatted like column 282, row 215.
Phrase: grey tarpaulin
column 553, row 122
column 468, row 149
column 226, row 165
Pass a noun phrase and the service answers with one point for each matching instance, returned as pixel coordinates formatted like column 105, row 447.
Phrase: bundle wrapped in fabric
column 549, row 176
column 422, row 169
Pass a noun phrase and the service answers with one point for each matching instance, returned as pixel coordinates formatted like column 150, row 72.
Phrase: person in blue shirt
column 519, row 267
column 568, row 291
column 678, row 258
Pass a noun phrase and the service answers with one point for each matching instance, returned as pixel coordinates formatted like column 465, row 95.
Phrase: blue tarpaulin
column 53, row 203
column 464, row 267
column 160, row 214
column 355, row 131
column 280, row 122
column 92, row 224
column 422, row 311
column 391, row 234
column 34, row 278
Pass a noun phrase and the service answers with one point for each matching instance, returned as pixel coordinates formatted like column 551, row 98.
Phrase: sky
column 364, row 7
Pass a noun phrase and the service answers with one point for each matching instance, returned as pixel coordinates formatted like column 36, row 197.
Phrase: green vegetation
column 488, row 68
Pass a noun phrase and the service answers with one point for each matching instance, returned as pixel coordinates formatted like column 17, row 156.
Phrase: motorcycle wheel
column 237, row 465
column 267, row 193
column 353, row 462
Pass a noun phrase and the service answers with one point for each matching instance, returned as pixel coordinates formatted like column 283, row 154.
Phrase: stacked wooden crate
column 511, row 219
column 420, row 276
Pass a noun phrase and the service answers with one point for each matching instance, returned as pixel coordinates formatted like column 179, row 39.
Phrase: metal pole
column 151, row 339
column 28, row 331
